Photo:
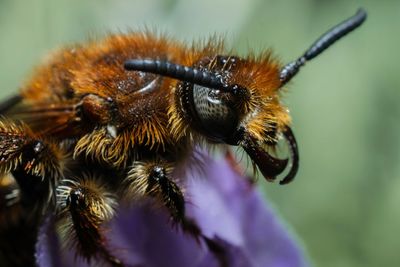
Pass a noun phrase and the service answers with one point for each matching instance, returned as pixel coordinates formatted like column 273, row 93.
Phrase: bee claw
column 269, row 166
column 294, row 155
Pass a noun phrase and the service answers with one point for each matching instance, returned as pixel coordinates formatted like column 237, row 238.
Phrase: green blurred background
column 344, row 205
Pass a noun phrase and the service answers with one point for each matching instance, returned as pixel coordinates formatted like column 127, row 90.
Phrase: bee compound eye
column 218, row 119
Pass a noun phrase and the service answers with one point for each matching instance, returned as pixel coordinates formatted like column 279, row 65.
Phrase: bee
column 111, row 122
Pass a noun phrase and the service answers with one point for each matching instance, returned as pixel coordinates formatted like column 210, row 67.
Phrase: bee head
column 234, row 101
column 245, row 111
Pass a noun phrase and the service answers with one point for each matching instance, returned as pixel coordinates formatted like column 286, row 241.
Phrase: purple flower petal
column 149, row 240
column 47, row 248
column 228, row 209
column 228, row 206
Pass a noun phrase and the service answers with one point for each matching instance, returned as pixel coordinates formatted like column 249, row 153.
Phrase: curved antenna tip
column 322, row 43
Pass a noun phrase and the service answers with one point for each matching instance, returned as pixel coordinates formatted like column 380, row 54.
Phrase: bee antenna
column 322, row 43
column 176, row 71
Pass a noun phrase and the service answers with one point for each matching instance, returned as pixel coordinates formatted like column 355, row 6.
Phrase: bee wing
column 10, row 102
column 57, row 119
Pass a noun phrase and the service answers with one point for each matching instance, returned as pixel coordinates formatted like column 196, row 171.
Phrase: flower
column 229, row 210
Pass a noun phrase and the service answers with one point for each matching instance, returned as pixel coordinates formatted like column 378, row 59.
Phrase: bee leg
column 27, row 166
column 86, row 205
column 34, row 163
column 159, row 184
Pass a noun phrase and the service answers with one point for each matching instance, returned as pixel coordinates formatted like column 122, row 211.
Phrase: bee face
column 248, row 99
column 245, row 111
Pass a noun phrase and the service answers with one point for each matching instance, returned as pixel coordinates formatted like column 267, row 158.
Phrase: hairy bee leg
column 36, row 180
column 87, row 207
column 31, row 166
column 34, row 162
column 173, row 199
column 87, row 227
